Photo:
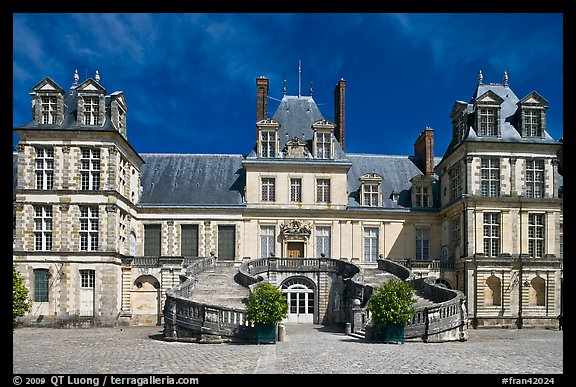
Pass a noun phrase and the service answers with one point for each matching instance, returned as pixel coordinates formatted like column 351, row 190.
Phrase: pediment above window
column 533, row 99
column 370, row 177
column 90, row 86
column 489, row 98
column 323, row 124
column 48, row 85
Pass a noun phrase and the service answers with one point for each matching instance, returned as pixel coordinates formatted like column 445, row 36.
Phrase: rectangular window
column 455, row 187
column 87, row 278
column 268, row 144
column 189, row 240
column 48, row 110
column 488, row 125
column 323, row 145
column 268, row 189
column 455, row 226
column 226, row 243
column 90, row 169
column 43, row 228
column 536, row 235
column 41, row 285
column 561, row 246
column 532, row 126
column 323, row 190
column 44, row 168
column 534, row 178
column 91, row 111
column 89, row 228
column 422, row 244
column 266, row 241
column 152, row 240
column 296, row 190
column 422, row 196
column 490, row 177
column 370, row 244
column 491, row 234
column 323, row 242
column 370, row 195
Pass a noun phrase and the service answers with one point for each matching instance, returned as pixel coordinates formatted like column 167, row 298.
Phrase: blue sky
column 189, row 79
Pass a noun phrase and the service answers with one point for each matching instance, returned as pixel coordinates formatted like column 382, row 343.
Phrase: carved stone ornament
column 296, row 228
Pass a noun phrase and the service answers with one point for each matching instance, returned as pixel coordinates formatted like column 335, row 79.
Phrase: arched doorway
column 300, row 294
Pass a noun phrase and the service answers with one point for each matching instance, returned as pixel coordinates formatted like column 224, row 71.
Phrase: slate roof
column 296, row 114
column 396, row 172
column 508, row 119
column 192, row 180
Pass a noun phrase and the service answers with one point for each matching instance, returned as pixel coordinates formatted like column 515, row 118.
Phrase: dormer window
column 268, row 138
column 459, row 118
column 370, row 191
column 488, row 114
column 323, row 142
column 48, row 110
column 487, row 123
column 422, row 191
column 91, row 111
column 532, row 115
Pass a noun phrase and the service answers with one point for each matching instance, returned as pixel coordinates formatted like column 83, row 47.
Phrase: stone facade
column 90, row 249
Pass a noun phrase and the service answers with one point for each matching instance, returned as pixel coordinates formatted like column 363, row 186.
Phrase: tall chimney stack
column 339, row 111
column 424, row 151
column 261, row 98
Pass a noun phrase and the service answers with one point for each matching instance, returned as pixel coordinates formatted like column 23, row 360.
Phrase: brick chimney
column 261, row 98
column 339, row 111
column 424, row 151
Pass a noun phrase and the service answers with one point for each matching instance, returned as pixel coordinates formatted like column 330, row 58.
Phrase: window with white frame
column 44, row 168
column 532, row 125
column 536, row 235
column 48, row 110
column 488, row 124
column 323, row 190
column 534, row 178
column 87, row 278
column 267, row 143
column 90, row 169
column 91, row 111
column 42, row 228
column 323, row 241
column 323, row 145
column 267, row 236
column 491, row 227
column 370, row 194
column 370, row 244
column 422, row 244
column 490, row 177
column 268, row 189
column 295, row 190
column 88, row 228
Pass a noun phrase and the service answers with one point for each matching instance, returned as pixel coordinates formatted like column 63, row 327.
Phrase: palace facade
column 101, row 231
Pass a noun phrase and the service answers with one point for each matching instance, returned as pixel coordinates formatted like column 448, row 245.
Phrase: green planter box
column 266, row 333
column 391, row 333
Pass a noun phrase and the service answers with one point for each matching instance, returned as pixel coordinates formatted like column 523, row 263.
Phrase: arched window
column 537, row 292
column 493, row 291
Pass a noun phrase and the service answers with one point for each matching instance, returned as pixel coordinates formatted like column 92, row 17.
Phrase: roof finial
column 505, row 78
column 97, row 77
column 480, row 77
column 311, row 88
column 284, row 89
column 76, row 77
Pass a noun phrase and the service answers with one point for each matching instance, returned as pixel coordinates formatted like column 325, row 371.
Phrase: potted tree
column 266, row 308
column 391, row 306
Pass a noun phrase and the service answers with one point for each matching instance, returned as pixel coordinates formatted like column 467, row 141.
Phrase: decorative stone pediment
column 489, row 98
column 296, row 148
column 48, row 85
column 533, row 99
column 295, row 229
